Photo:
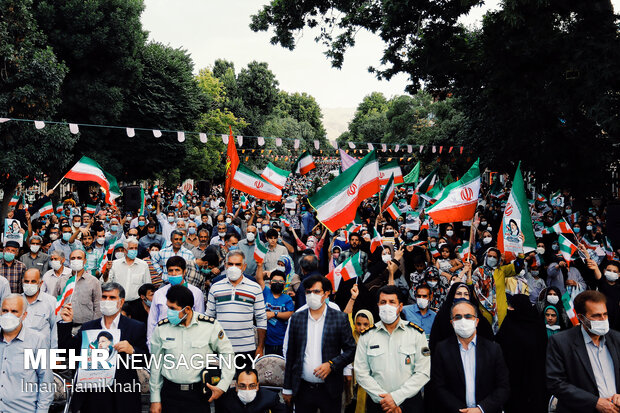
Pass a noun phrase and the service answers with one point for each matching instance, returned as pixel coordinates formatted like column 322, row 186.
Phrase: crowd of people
column 426, row 327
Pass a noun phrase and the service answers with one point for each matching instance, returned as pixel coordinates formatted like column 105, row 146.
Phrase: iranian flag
column 304, row 163
column 269, row 209
column 572, row 218
column 393, row 211
column 609, row 251
column 465, row 251
column 336, row 203
column 434, row 252
column 47, row 208
column 570, row 309
column 412, row 177
column 390, row 169
column 244, row 202
column 459, row 200
column 66, row 293
column 90, row 209
column 567, row 248
column 541, row 198
column 275, row 176
column 516, row 234
column 347, row 270
column 376, row 241
column 59, row 209
column 387, row 196
column 260, row 250
column 142, row 210
column 14, row 200
column 285, row 221
column 87, row 169
column 232, row 163
column 155, row 190
column 427, row 183
column 252, row 184
column 560, row 227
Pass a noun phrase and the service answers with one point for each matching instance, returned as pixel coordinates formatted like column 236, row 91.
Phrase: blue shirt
column 276, row 328
column 468, row 357
column 308, row 222
column 412, row 313
column 602, row 365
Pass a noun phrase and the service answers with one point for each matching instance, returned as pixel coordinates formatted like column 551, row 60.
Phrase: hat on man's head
column 11, row 244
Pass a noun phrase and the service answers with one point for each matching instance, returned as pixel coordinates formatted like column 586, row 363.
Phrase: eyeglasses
column 317, row 292
column 466, row 317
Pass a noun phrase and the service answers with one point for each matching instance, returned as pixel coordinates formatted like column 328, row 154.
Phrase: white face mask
column 119, row 255
column 314, row 301
column 422, row 303
column 55, row 265
column 449, row 233
column 233, row 273
column 246, row 396
column 100, row 240
column 432, row 284
column 464, row 328
column 154, row 254
column 108, row 307
column 386, row 258
column 30, row 289
column 310, row 244
column 611, row 276
column 77, row 265
column 9, row 322
column 596, row 327
column 388, row 313
column 221, row 235
column 540, row 250
column 35, row 248
column 251, row 237
column 553, row 299
column 228, row 220
column 281, row 268
column 266, row 228
column 487, row 240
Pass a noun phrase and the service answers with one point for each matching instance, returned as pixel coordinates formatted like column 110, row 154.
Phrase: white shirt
column 302, row 308
column 114, row 324
column 313, row 357
column 50, row 279
column 131, row 277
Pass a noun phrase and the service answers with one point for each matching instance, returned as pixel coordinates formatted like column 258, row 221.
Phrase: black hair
column 211, row 257
column 277, row 273
column 105, row 334
column 230, row 235
column 355, row 234
column 181, row 296
column 463, row 301
column 309, row 263
column 424, row 286
column 249, row 371
column 390, row 290
column 145, row 288
column 313, row 279
column 176, row 261
column 272, row 233
column 588, row 296
column 110, row 286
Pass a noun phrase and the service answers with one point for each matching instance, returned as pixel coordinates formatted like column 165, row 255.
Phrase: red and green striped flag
column 245, row 180
column 260, row 250
column 465, row 250
column 336, row 203
column 376, row 241
column 347, row 270
column 14, row 200
column 387, row 196
column 390, row 169
column 570, row 309
column 393, row 210
column 66, row 293
column 275, row 176
column 304, row 164
column 90, row 209
column 560, row 227
column 47, row 208
column 567, row 248
column 87, row 169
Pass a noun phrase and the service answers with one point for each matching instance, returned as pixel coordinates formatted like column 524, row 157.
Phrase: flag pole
column 56, row 186
column 471, row 239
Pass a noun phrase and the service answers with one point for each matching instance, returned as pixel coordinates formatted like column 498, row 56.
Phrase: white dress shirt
column 114, row 324
column 313, row 357
column 131, row 277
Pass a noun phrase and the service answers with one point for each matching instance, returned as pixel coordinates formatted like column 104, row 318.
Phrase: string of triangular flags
column 74, row 128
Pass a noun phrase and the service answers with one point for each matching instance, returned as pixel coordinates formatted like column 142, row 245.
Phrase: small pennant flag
column 388, row 194
column 394, row 211
column 131, row 132
column 157, row 133
column 39, row 124
column 181, row 136
column 73, row 128
column 260, row 250
column 316, row 145
column 570, row 309
column 203, row 137
column 567, row 248
column 47, row 208
column 465, row 250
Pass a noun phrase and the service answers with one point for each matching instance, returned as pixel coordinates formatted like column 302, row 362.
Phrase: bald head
column 32, row 276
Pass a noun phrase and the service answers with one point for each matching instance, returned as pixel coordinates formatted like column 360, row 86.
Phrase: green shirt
column 397, row 363
column 172, row 348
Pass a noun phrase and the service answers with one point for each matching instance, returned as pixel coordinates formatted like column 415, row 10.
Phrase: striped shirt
column 159, row 261
column 235, row 308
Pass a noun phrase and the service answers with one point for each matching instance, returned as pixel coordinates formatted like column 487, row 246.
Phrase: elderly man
column 57, row 270
column 41, row 309
column 175, row 249
column 130, row 272
column 36, row 258
column 203, row 243
column 22, row 390
column 86, row 293
column 12, row 269
column 247, row 246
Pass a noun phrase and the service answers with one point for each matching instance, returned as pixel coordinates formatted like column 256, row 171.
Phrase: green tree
column 31, row 80
column 258, row 89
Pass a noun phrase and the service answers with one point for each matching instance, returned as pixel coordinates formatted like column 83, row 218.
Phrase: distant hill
column 336, row 121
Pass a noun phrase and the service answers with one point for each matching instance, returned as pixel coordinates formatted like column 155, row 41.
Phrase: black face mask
column 277, row 287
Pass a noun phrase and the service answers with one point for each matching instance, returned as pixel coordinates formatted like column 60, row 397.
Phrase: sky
column 209, row 30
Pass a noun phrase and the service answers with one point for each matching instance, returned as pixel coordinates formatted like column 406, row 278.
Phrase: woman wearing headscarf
column 552, row 320
column 362, row 321
column 523, row 340
column 552, row 296
column 285, row 264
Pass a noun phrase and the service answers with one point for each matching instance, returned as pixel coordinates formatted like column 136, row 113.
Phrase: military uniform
column 179, row 388
column 397, row 363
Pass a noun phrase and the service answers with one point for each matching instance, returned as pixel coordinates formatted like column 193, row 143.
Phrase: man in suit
column 583, row 363
column 132, row 341
column 248, row 397
column 480, row 384
column 320, row 345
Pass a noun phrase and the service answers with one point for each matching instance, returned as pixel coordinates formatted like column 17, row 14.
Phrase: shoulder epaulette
column 416, row 327
column 202, row 317
column 162, row 322
column 371, row 328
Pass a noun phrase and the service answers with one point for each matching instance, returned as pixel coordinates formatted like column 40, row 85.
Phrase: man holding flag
column 80, row 289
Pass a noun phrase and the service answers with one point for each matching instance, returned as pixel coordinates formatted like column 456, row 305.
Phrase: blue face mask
column 175, row 279
column 9, row 256
column 113, row 228
column 66, row 236
column 191, row 230
column 233, row 248
column 141, row 223
column 42, row 232
column 132, row 254
column 173, row 317
column 148, row 303
column 576, row 229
